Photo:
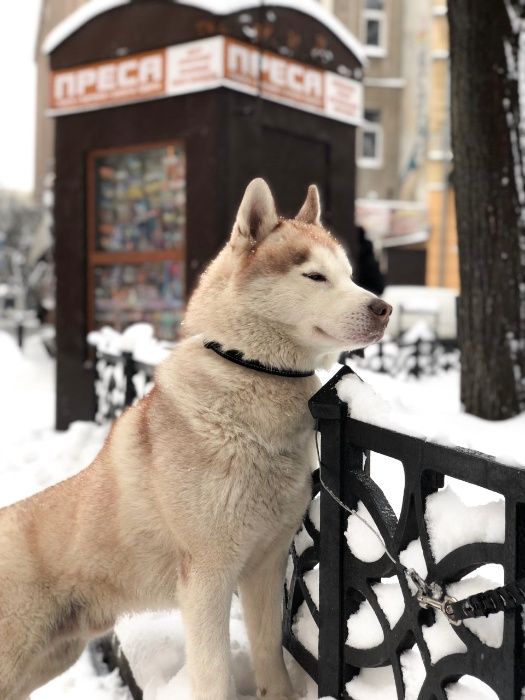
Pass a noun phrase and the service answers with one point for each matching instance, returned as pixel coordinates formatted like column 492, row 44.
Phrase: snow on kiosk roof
column 218, row 7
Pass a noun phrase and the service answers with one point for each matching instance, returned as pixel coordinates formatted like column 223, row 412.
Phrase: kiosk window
column 137, row 231
column 150, row 292
column 141, row 199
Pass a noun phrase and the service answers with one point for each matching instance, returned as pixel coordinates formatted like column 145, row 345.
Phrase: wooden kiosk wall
column 229, row 138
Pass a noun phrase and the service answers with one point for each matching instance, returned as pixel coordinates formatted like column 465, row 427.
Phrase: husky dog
column 202, row 484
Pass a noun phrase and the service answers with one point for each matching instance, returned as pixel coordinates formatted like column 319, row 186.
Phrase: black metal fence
column 119, row 381
column 418, row 358
column 346, row 582
column 327, row 582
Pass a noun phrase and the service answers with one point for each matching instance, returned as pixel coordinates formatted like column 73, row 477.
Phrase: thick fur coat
column 200, row 486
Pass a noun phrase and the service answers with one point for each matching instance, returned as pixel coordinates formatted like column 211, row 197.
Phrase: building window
column 370, row 142
column 374, row 28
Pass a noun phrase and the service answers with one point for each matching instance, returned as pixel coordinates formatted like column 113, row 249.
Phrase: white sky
column 18, row 24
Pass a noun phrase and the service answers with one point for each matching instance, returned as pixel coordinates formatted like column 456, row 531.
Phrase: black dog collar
column 238, row 358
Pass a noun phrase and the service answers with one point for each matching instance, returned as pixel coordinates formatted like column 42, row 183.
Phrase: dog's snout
column 380, row 308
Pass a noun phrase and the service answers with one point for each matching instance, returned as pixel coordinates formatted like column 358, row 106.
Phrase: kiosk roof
column 91, row 9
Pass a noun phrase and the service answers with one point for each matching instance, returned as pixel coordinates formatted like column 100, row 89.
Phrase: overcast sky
column 18, row 23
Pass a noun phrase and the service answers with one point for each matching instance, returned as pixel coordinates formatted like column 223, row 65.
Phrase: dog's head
column 295, row 275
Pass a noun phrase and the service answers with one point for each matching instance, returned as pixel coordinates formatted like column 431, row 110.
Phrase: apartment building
column 404, row 158
column 379, row 26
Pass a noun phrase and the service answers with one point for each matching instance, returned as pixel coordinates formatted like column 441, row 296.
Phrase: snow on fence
column 350, row 620
column 124, row 367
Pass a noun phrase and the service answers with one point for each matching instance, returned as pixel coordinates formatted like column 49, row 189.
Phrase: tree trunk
column 487, row 46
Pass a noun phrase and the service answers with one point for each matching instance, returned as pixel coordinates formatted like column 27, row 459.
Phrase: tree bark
column 487, row 47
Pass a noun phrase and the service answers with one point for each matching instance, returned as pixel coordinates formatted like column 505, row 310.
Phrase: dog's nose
column 380, row 308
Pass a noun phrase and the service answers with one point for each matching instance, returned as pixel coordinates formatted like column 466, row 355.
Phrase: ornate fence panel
column 418, row 358
column 350, row 617
column 402, row 649
column 119, row 381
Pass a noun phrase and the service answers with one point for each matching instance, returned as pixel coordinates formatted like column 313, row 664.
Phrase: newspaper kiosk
column 163, row 113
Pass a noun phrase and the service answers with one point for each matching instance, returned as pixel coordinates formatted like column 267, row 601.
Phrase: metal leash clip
column 443, row 605
column 432, row 596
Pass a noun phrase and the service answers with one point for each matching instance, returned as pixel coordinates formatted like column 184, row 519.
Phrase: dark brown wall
column 292, row 149
column 229, row 138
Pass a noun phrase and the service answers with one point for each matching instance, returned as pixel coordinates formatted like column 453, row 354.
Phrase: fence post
column 514, row 537
column 129, row 372
column 382, row 367
column 417, row 358
column 330, row 412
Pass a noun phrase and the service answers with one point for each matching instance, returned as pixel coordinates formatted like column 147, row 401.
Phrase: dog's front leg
column 261, row 589
column 205, row 602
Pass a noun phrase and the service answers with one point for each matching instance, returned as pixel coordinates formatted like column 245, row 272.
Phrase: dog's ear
column 310, row 212
column 256, row 217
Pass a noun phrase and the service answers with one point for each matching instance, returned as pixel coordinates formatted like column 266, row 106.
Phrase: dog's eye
column 315, row 276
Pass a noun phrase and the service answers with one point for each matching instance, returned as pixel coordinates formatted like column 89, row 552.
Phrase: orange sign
column 204, row 65
column 342, row 99
column 276, row 77
column 198, row 65
column 128, row 79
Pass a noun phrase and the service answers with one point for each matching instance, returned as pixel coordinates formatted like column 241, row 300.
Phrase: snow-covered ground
column 33, row 456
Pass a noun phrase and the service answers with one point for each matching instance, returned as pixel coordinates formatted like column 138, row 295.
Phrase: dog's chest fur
column 242, row 441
